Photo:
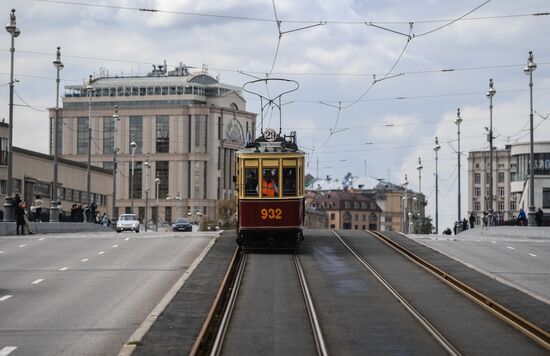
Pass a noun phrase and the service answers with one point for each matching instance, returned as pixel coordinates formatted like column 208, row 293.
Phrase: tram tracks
column 431, row 329
column 536, row 333
column 211, row 338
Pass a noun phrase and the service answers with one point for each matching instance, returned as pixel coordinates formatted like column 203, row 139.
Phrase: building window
column 477, row 178
column 162, row 172
column 501, row 177
column 138, row 176
column 477, row 165
column 332, row 226
column 513, row 205
column 163, row 134
column 108, row 135
column 332, row 216
column 487, row 178
column 477, row 191
column 136, row 133
column 3, row 151
column 197, row 179
column 500, row 206
column 546, row 198
column 347, row 205
column 82, row 135
column 197, row 130
column 477, row 206
column 168, row 214
column 501, row 192
column 108, row 165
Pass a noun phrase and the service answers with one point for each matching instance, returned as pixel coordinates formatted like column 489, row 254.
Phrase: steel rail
column 531, row 330
column 218, row 342
column 320, row 343
column 432, row 330
column 215, row 309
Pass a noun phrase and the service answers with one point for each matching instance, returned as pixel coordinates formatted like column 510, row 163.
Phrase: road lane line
column 532, row 255
column 126, row 239
column 101, row 252
column 42, row 238
column 1, row 251
column 22, row 245
column 115, row 245
column 85, row 260
column 7, row 350
column 64, row 268
column 4, row 298
column 493, row 242
column 510, row 247
column 37, row 281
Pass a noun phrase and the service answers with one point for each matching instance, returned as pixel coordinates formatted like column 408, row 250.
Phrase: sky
column 378, row 80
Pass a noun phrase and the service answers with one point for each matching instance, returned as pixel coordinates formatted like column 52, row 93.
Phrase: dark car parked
column 182, row 224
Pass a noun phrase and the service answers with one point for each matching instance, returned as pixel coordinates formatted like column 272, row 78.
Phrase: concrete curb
column 9, row 228
column 140, row 332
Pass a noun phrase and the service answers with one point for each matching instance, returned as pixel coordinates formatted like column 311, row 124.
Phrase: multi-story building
column 186, row 126
column 393, row 202
column 350, row 210
column 479, row 177
column 510, row 180
column 33, row 177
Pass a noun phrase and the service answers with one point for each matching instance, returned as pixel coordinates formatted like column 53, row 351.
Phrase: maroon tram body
column 269, row 217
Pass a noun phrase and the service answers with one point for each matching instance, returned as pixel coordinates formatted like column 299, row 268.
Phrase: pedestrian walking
column 37, row 204
column 472, row 220
column 522, row 217
column 538, row 217
column 20, row 217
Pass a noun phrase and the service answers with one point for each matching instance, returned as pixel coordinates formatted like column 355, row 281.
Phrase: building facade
column 33, row 176
column 393, row 202
column 186, row 126
column 350, row 210
column 510, row 180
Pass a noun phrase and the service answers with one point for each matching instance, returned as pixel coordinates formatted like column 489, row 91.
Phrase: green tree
column 424, row 226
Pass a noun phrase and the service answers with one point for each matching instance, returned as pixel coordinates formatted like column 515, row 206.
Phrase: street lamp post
column 89, row 91
column 531, row 66
column 405, row 205
column 421, row 200
column 490, row 93
column 199, row 214
column 54, row 207
column 9, row 211
column 157, row 183
column 115, row 150
column 147, row 166
column 437, row 147
column 458, row 121
column 133, row 145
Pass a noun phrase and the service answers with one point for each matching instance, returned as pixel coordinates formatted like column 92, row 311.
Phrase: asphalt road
column 85, row 294
column 520, row 262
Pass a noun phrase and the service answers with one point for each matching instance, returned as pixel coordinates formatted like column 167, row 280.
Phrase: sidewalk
column 8, row 228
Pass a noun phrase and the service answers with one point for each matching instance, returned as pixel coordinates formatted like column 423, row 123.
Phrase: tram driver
column 269, row 185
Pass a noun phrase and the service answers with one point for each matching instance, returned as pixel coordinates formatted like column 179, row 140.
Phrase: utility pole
column 437, row 147
column 490, row 93
column 115, row 150
column 458, row 121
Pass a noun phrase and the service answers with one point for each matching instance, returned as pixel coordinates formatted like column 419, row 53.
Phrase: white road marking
column 37, row 281
column 101, row 252
column 64, row 268
column 7, row 350
column 115, row 245
column 493, row 242
column 22, row 245
column 84, row 260
column 1, row 251
column 126, row 239
column 42, row 238
column 510, row 247
column 533, row 255
column 6, row 297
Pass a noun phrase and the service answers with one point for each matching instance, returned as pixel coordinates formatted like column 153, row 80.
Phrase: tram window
column 289, row 181
column 251, row 182
column 269, row 182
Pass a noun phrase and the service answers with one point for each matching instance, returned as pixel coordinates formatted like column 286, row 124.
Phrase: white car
column 127, row 222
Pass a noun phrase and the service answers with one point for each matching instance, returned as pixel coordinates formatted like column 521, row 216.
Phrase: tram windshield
column 269, row 182
column 289, row 181
column 251, row 183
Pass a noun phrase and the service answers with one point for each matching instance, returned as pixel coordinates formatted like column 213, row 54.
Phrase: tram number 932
column 271, row 214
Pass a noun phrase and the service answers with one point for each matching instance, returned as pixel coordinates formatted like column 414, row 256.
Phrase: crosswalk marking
column 4, row 298
column 7, row 350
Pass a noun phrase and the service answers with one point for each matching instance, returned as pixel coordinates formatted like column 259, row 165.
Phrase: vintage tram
column 270, row 199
